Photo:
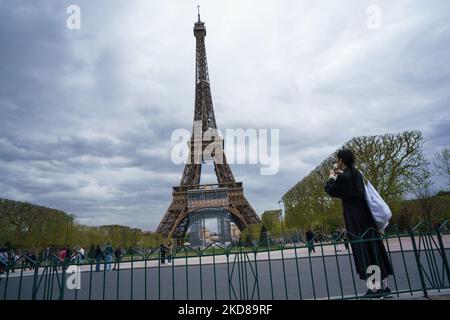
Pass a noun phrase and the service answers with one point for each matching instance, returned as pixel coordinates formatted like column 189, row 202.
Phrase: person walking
column 117, row 256
column 310, row 240
column 68, row 259
column 347, row 184
column 62, row 257
column 336, row 236
column 98, row 258
column 80, row 255
column 169, row 252
column 162, row 253
column 345, row 239
column 12, row 260
column 32, row 259
column 108, row 256
column 54, row 260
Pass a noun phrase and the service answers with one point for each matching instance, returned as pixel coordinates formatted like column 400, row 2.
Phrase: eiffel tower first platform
column 192, row 202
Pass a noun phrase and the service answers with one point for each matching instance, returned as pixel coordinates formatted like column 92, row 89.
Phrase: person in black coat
column 310, row 240
column 162, row 253
column 117, row 256
column 348, row 184
column 98, row 258
column 68, row 256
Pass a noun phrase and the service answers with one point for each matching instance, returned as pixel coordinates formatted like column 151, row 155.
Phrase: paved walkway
column 392, row 245
column 291, row 279
column 432, row 295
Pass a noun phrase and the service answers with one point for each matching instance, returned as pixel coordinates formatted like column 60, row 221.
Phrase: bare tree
column 442, row 164
column 424, row 194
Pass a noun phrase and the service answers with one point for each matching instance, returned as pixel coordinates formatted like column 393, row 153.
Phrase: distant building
column 214, row 238
column 205, row 236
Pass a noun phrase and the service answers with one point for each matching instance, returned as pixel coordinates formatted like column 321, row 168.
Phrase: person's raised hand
column 332, row 174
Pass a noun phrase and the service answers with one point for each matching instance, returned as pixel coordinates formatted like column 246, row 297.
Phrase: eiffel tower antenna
column 192, row 202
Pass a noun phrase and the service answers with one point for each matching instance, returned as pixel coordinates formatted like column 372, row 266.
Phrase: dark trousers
column 311, row 247
column 97, row 264
column 116, row 262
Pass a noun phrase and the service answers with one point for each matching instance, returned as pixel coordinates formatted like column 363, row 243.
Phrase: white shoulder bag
column 378, row 207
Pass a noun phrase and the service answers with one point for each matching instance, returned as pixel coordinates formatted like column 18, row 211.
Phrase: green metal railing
column 293, row 269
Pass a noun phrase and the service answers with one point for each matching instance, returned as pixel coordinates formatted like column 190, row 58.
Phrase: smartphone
column 335, row 168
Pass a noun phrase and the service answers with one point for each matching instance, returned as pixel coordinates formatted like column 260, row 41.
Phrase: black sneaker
column 370, row 294
column 387, row 293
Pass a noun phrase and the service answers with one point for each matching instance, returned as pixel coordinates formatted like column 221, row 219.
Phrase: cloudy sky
column 86, row 115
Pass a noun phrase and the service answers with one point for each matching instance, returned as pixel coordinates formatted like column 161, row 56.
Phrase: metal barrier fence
column 290, row 270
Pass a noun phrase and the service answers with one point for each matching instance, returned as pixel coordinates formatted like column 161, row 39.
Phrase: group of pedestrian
column 9, row 259
column 30, row 260
column 66, row 256
column 106, row 255
column 165, row 251
column 338, row 236
column 60, row 258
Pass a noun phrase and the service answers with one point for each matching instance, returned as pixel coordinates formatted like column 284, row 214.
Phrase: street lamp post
column 281, row 217
column 67, row 231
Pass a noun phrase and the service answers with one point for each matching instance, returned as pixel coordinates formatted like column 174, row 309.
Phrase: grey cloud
column 86, row 116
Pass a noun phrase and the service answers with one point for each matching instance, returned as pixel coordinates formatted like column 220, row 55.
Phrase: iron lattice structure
column 175, row 222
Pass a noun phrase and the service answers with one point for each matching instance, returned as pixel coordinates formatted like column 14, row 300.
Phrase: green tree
column 394, row 163
column 271, row 222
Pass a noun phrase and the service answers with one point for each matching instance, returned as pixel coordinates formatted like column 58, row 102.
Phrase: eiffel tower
column 190, row 200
